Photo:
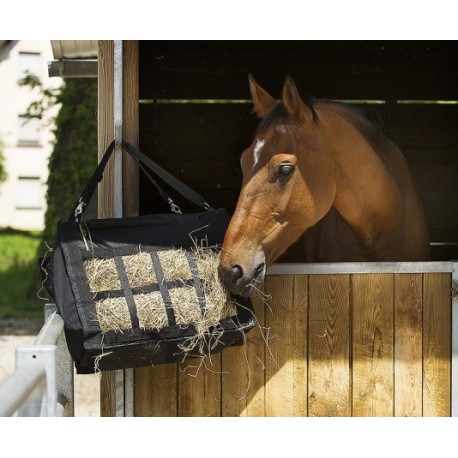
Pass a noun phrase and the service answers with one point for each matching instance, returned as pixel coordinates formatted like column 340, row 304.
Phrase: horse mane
column 366, row 118
column 280, row 114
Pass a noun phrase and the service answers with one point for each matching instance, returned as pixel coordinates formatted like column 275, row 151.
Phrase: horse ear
column 292, row 100
column 263, row 101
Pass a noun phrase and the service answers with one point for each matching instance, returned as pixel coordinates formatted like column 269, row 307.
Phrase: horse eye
column 286, row 169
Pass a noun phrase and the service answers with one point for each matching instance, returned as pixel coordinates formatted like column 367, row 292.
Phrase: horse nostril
column 236, row 274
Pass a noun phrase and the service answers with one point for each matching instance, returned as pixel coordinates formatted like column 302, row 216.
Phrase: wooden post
column 130, row 170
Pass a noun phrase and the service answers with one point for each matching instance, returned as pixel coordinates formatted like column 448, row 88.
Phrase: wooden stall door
column 328, row 345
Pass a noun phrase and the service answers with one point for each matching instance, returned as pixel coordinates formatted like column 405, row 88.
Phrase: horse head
column 287, row 186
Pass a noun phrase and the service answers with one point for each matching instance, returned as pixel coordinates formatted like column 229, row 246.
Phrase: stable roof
column 74, row 58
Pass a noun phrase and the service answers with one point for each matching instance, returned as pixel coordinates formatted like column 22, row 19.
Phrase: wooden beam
column 130, row 171
column 105, row 124
column 130, row 126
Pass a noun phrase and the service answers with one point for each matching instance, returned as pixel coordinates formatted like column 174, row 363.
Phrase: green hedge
column 74, row 156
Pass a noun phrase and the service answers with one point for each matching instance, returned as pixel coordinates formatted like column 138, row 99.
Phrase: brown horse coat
column 322, row 183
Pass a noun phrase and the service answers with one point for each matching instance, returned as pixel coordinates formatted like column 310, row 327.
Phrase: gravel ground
column 14, row 333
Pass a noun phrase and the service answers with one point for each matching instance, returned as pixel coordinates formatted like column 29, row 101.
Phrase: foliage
column 74, row 156
column 72, row 160
column 18, row 265
column 3, row 174
column 48, row 98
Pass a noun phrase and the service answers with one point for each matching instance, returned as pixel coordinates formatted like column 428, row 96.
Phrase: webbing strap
column 127, row 292
column 163, row 288
column 144, row 161
column 197, row 281
column 182, row 188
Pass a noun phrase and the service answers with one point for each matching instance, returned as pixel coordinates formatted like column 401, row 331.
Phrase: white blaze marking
column 257, row 150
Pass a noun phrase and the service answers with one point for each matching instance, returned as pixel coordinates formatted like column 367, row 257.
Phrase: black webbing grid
column 163, row 288
column 197, row 281
column 127, row 291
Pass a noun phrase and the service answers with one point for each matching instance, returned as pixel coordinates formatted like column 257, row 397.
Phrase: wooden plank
column 329, row 385
column 408, row 365
column 454, row 341
column 129, row 179
column 372, row 357
column 286, row 366
column 243, row 372
column 105, row 123
column 130, row 127
column 105, row 194
column 156, row 391
column 199, row 387
column 105, row 136
column 108, row 394
column 436, row 345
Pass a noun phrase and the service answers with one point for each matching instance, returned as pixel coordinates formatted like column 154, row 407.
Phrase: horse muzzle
column 242, row 278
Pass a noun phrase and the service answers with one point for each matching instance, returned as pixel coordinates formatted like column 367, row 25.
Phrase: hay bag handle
column 143, row 160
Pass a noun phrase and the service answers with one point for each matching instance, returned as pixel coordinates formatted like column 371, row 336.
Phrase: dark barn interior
column 195, row 111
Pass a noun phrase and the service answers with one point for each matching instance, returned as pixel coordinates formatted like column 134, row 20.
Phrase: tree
column 74, row 156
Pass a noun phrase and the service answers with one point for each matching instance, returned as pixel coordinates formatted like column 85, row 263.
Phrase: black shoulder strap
column 89, row 190
column 187, row 192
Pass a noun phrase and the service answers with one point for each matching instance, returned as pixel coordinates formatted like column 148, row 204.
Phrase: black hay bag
column 110, row 245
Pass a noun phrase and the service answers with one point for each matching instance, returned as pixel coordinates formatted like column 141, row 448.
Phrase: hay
column 113, row 313
column 139, row 270
column 102, row 275
column 218, row 301
column 175, row 265
column 151, row 310
column 185, row 304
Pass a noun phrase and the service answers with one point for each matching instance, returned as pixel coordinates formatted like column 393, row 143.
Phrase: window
column 29, row 62
column 28, row 131
column 29, row 193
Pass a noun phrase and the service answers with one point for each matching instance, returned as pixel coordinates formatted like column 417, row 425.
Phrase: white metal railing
column 42, row 384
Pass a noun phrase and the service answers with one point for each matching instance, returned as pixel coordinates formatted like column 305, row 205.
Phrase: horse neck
column 367, row 196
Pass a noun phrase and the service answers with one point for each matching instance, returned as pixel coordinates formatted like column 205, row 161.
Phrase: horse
column 321, row 183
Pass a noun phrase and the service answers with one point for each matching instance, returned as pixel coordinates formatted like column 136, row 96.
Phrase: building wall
column 26, row 146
